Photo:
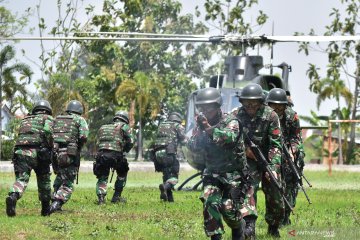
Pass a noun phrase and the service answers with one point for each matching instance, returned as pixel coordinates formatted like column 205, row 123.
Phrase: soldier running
column 262, row 126
column 70, row 135
column 113, row 141
column 33, row 150
column 290, row 127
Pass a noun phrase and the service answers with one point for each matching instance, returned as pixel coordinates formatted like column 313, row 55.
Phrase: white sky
column 289, row 16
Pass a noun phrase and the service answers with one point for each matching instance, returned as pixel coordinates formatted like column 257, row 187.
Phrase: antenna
column 272, row 51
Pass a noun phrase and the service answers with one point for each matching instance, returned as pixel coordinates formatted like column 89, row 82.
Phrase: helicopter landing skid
column 189, row 179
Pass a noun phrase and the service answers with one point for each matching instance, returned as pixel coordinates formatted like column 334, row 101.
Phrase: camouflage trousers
column 23, row 164
column 171, row 174
column 217, row 203
column 169, row 165
column 291, row 192
column 275, row 207
column 106, row 160
column 64, row 181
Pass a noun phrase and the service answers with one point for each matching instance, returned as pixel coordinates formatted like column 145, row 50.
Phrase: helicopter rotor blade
column 124, row 39
column 144, row 34
column 312, row 38
column 232, row 39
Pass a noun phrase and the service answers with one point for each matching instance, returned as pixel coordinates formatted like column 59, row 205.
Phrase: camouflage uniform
column 33, row 151
column 113, row 140
column 290, row 126
column 225, row 170
column 169, row 135
column 264, row 131
column 70, row 135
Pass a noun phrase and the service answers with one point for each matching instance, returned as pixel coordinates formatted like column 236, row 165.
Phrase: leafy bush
column 7, row 147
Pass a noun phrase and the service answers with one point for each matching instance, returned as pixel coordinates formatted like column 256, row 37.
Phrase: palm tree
column 334, row 88
column 321, row 123
column 14, row 91
column 145, row 94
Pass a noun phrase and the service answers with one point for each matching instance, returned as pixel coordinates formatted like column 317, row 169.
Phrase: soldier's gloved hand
column 202, row 122
column 268, row 176
column 249, row 153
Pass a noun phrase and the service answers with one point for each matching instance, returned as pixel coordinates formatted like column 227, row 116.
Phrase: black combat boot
column 274, row 231
column 216, row 237
column 55, row 206
column 11, row 204
column 237, row 234
column 249, row 231
column 117, row 197
column 45, row 208
column 169, row 194
column 101, row 199
column 163, row 192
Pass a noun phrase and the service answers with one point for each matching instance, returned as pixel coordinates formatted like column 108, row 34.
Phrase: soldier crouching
column 220, row 138
column 113, row 141
column 164, row 153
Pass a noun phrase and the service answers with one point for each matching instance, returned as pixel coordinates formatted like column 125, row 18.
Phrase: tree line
column 149, row 78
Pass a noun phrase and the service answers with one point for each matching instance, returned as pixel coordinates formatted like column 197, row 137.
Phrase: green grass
column 335, row 212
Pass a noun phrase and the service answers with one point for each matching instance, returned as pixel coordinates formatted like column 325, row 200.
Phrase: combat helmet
column 277, row 95
column 122, row 115
column 208, row 96
column 42, row 105
column 75, row 106
column 175, row 117
column 252, row 91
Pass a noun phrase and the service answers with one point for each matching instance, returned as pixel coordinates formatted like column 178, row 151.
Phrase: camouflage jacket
column 35, row 131
column 223, row 151
column 115, row 137
column 169, row 132
column 264, row 130
column 290, row 127
column 71, row 128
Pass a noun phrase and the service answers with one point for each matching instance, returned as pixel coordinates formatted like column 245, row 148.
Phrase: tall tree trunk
column 132, row 114
column 351, row 146
column 140, row 142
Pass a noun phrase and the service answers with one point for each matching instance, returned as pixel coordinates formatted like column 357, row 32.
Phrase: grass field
column 335, row 212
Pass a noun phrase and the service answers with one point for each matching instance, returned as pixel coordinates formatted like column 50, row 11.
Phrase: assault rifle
column 298, row 175
column 263, row 164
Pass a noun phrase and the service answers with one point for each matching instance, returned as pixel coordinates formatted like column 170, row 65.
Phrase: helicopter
column 238, row 70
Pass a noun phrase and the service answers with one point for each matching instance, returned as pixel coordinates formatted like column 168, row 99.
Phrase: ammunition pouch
column 72, row 149
column 171, row 148
column 164, row 159
column 237, row 194
column 63, row 160
column 45, row 155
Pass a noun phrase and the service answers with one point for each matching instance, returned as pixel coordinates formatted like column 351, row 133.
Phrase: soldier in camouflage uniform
column 70, row 135
column 218, row 138
column 290, row 127
column 113, row 141
column 33, row 151
column 169, row 135
column 262, row 126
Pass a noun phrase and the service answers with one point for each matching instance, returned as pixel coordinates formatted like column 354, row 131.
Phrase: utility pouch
column 171, row 148
column 72, row 149
column 44, row 154
column 63, row 159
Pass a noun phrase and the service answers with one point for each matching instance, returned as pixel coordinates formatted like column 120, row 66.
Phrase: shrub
column 7, row 147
